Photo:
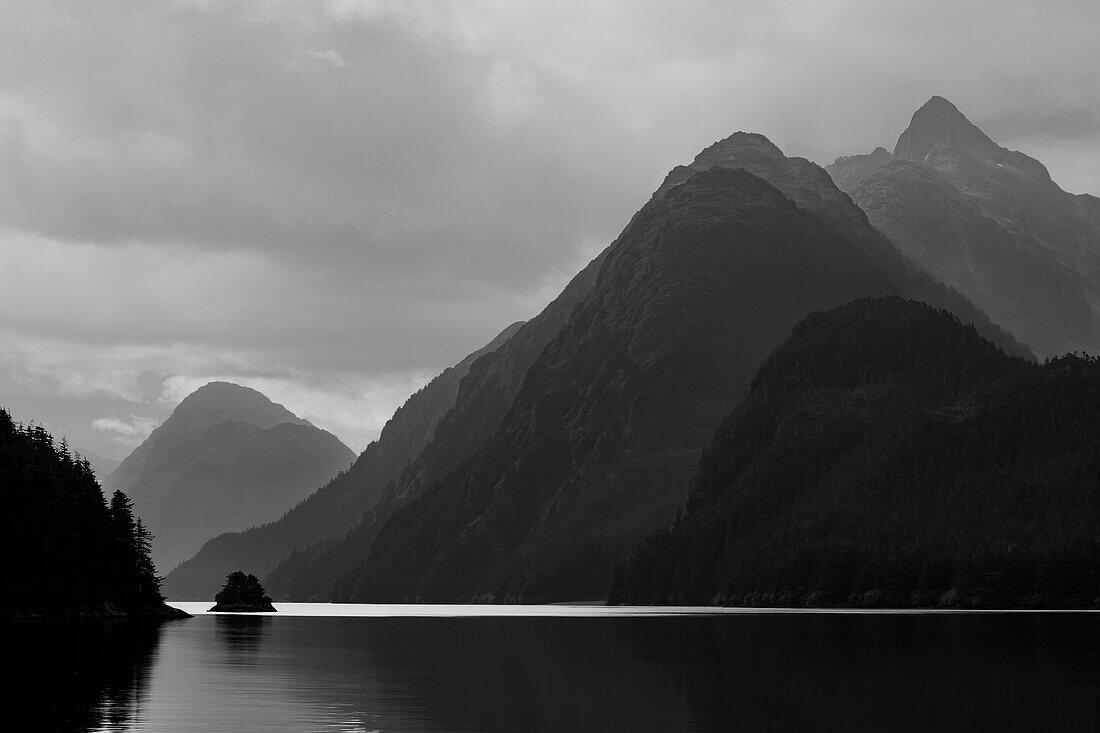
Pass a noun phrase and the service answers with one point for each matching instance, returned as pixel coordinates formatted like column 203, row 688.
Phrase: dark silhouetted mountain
column 483, row 399
column 101, row 467
column 74, row 555
column 597, row 448
column 989, row 222
column 227, row 458
column 887, row 455
column 329, row 512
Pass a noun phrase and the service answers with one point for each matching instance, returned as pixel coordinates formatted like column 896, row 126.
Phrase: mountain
column 596, row 449
column 74, row 555
column 484, row 398
column 101, row 467
column 330, row 511
column 226, row 458
column 990, row 222
column 887, row 455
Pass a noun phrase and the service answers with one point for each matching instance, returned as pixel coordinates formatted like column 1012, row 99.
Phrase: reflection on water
column 77, row 676
column 744, row 672
column 240, row 637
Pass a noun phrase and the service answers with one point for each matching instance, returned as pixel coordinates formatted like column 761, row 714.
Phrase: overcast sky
column 333, row 200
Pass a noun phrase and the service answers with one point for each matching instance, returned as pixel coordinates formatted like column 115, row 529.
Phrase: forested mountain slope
column 887, row 455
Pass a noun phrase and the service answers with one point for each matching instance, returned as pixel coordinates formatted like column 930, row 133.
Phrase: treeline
column 889, row 456
column 70, row 551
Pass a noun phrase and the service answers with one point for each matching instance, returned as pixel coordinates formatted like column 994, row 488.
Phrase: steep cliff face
column 991, row 223
column 225, row 459
column 887, row 455
column 338, row 505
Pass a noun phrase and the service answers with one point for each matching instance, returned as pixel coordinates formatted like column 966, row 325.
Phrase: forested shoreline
column 75, row 554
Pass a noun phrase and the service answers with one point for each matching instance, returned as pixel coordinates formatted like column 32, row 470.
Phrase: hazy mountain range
column 562, row 450
column 101, row 466
column 338, row 505
column 227, row 458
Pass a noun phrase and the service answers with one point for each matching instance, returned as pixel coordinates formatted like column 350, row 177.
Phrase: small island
column 242, row 594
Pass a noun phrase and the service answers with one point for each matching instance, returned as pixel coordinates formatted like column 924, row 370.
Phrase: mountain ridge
column 517, row 477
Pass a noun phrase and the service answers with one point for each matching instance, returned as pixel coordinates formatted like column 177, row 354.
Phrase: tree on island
column 242, row 593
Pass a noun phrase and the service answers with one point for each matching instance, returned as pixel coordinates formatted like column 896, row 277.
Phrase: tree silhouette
column 76, row 553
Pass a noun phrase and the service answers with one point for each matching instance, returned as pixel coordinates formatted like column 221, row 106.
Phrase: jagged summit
column 939, row 125
column 802, row 181
column 989, row 222
column 749, row 150
column 738, row 146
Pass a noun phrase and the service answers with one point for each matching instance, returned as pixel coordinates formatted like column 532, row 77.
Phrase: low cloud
column 331, row 57
column 130, row 433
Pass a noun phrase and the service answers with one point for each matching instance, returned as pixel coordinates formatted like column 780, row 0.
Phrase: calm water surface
column 555, row 669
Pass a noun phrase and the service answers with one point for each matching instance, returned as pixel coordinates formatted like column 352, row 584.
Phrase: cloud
column 336, row 198
column 510, row 94
column 129, row 433
column 331, row 57
column 1071, row 124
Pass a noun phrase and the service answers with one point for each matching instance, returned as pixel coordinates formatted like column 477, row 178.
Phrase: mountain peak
column 216, row 402
column 736, row 148
column 942, row 104
column 805, row 183
column 939, row 125
column 225, row 459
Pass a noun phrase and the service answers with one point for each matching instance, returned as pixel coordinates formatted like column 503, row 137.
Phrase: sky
column 333, row 200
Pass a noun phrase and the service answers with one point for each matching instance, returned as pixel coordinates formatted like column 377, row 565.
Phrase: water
column 557, row 668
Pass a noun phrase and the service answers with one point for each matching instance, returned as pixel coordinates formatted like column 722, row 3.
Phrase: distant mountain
column 330, row 511
column 74, row 555
column 227, row 458
column 596, row 449
column 887, row 455
column 102, row 467
column 989, row 222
